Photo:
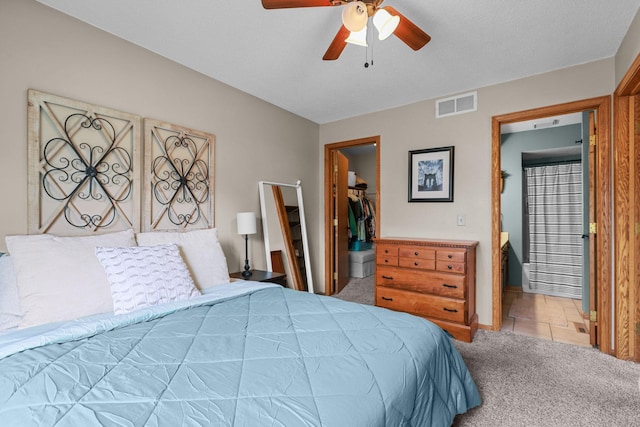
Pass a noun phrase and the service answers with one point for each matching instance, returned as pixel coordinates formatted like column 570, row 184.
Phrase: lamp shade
column 385, row 23
column 246, row 222
column 355, row 16
column 358, row 37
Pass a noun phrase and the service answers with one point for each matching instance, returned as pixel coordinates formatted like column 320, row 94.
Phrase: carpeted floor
column 358, row 290
column 526, row 381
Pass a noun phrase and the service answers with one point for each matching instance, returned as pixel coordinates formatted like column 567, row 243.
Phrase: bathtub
column 525, row 278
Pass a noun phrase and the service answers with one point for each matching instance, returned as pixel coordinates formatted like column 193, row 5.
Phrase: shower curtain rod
column 550, row 163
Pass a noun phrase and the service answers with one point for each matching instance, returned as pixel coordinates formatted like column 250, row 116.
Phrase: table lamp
column 246, row 225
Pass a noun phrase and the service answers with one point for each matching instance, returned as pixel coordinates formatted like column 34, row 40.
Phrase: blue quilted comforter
column 267, row 357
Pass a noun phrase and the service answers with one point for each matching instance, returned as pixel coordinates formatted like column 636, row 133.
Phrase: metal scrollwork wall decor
column 179, row 171
column 86, row 171
column 100, row 172
column 83, row 167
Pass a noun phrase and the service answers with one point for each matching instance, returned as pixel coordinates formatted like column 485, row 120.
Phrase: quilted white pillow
column 144, row 276
column 201, row 251
column 59, row 278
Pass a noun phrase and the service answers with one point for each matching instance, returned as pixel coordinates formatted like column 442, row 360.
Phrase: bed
column 236, row 353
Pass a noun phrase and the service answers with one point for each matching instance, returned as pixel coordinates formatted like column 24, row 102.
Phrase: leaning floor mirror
column 285, row 233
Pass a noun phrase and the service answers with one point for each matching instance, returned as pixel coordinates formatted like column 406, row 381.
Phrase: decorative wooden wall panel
column 84, row 169
column 179, row 177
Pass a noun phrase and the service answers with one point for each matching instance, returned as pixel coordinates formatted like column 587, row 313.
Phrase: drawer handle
column 387, row 299
column 450, row 267
column 450, row 286
column 449, row 256
column 415, row 263
column 415, row 253
column 386, row 260
column 387, row 277
column 450, row 310
column 386, row 251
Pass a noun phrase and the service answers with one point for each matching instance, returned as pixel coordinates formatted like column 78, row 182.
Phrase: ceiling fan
column 355, row 15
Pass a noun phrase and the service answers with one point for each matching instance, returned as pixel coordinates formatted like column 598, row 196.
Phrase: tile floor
column 542, row 316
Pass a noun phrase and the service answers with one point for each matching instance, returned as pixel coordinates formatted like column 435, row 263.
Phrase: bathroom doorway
column 545, row 220
column 600, row 264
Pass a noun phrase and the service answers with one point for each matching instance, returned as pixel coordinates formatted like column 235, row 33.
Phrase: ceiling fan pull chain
column 369, row 45
column 372, row 43
column 366, row 51
column 367, row 62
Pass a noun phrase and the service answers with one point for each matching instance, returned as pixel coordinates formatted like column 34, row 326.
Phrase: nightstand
column 263, row 276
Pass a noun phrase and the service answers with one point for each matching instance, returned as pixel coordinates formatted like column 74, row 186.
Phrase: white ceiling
column 276, row 55
column 551, row 121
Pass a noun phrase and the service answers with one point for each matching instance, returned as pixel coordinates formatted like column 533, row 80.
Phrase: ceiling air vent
column 459, row 104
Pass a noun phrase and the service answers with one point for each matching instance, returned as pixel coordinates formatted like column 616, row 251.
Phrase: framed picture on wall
column 431, row 175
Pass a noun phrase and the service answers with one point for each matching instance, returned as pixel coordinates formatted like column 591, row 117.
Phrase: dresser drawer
column 424, row 305
column 382, row 259
column 421, row 263
column 386, row 250
column 448, row 285
column 416, row 252
column 451, row 255
column 451, row 267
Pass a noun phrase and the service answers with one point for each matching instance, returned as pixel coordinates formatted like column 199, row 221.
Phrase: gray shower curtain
column 554, row 200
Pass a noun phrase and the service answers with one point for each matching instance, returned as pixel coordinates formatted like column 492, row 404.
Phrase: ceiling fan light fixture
column 358, row 37
column 385, row 23
column 355, row 16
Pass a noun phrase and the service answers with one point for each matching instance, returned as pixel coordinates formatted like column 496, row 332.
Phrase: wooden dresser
column 434, row 279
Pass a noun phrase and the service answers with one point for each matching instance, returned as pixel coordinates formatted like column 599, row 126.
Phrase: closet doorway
column 600, row 254
column 336, row 219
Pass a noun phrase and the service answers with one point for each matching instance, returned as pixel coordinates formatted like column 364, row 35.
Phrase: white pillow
column 60, row 278
column 201, row 251
column 144, row 276
column 10, row 313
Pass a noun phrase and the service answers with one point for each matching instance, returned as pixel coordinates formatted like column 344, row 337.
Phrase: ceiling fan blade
column 337, row 45
column 283, row 4
column 409, row 32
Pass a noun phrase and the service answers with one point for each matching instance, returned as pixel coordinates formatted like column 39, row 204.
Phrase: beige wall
column 49, row 51
column 415, row 127
column 629, row 49
column 46, row 50
column 364, row 165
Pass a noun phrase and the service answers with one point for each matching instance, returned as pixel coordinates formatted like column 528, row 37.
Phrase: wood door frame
column 340, row 185
column 626, row 227
column 328, row 202
column 602, row 106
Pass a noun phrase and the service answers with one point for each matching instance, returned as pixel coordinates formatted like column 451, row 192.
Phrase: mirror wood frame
column 303, row 228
